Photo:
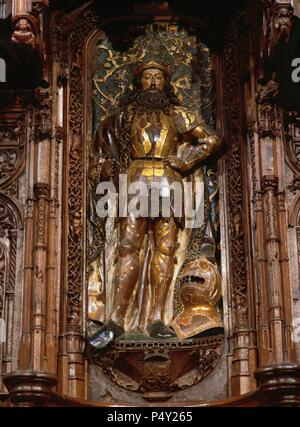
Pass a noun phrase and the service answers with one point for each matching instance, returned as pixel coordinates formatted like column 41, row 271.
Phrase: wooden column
column 31, row 384
column 277, row 374
column 241, row 321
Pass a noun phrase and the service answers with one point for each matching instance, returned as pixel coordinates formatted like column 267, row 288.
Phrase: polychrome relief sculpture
column 153, row 271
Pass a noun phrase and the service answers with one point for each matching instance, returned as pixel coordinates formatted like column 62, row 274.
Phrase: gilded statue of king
column 143, row 139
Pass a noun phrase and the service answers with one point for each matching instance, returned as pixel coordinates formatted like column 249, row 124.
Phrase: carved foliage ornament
column 292, row 141
column 235, row 184
column 10, row 221
column 12, row 154
column 82, row 27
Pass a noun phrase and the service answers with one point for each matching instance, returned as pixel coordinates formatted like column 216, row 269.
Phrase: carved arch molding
column 72, row 52
column 12, row 163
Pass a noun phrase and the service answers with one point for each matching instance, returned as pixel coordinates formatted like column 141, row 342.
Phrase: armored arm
column 209, row 143
column 106, row 142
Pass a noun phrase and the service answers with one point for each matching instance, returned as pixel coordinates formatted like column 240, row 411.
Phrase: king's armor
column 153, row 139
column 142, row 300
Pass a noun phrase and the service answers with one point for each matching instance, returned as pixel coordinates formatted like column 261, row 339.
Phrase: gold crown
column 167, row 69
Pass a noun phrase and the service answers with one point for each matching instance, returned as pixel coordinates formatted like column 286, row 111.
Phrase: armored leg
column 131, row 239
column 162, row 268
column 132, row 234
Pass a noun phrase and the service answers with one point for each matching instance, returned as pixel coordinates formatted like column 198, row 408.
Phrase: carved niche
column 10, row 222
column 141, row 364
column 81, row 30
column 203, row 355
column 12, row 162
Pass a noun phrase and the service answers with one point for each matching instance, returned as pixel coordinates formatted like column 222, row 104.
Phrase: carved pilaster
column 240, row 301
column 278, row 291
column 269, row 186
column 70, row 73
column 37, row 350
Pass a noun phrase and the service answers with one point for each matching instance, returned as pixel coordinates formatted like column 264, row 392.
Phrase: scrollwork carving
column 84, row 25
column 294, row 185
column 42, row 192
column 10, row 222
column 238, row 266
column 292, row 141
column 12, row 153
column 269, row 186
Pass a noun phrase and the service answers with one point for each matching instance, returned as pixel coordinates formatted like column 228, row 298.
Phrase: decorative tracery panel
column 10, row 222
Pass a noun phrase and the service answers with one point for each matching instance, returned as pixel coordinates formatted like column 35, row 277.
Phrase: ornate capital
column 269, row 182
column 41, row 190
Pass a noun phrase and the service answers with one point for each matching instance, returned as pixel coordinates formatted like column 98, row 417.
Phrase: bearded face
column 152, row 96
column 153, row 99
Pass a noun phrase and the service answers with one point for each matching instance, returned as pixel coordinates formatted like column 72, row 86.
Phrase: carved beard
column 151, row 102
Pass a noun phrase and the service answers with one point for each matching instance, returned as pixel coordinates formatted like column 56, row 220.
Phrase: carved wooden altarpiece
column 46, row 248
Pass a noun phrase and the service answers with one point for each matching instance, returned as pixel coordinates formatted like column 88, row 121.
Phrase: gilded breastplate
column 153, row 137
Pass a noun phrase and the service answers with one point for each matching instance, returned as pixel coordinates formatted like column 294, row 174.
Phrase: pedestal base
column 159, row 368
